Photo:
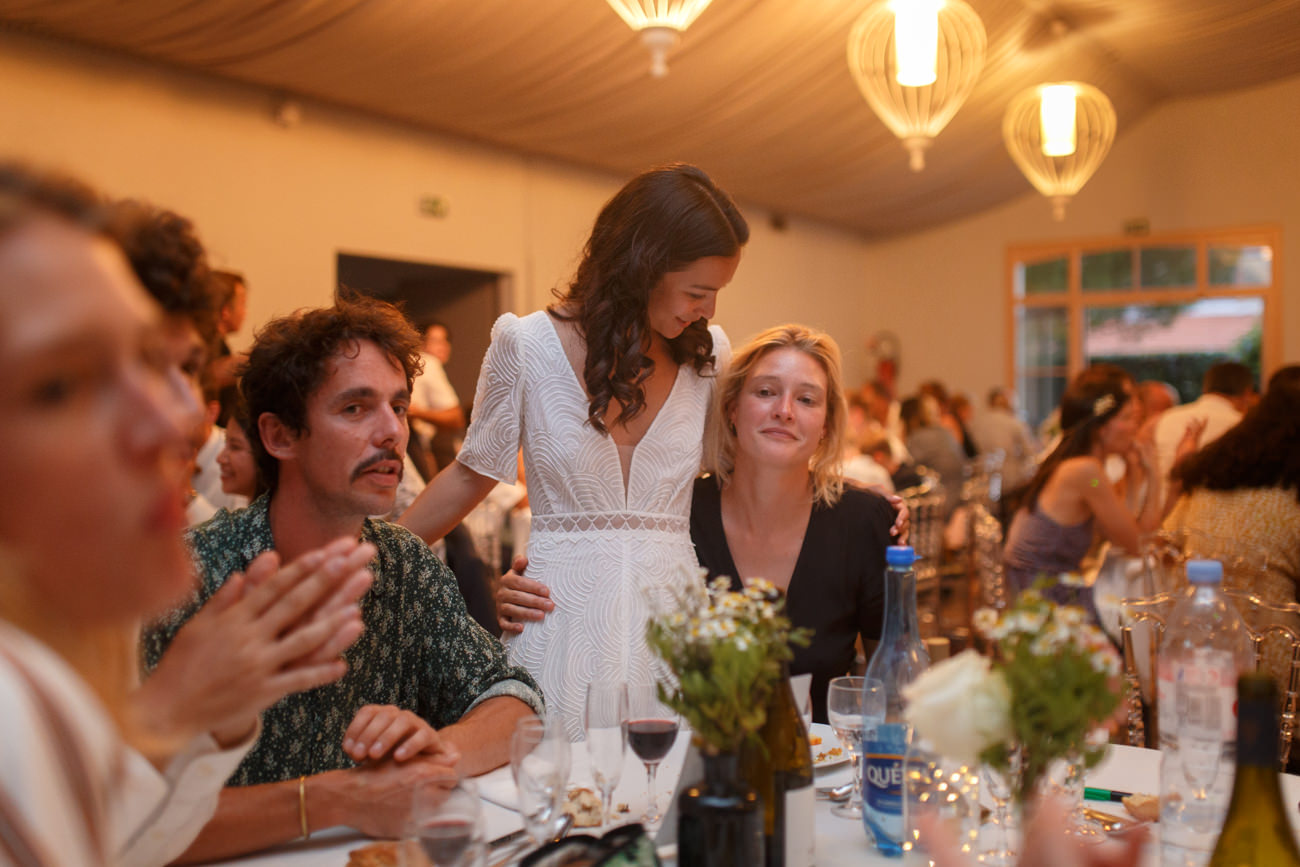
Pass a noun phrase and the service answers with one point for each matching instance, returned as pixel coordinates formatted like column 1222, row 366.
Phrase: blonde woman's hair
column 825, row 467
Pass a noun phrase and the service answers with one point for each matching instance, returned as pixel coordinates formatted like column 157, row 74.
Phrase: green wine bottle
column 782, row 774
column 1256, row 830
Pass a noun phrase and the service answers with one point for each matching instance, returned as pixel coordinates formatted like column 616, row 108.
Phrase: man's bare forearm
column 252, row 818
column 483, row 734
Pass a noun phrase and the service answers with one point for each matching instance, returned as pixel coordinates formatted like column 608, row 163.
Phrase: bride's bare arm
column 446, row 501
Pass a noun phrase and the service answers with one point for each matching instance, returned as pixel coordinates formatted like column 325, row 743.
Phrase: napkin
column 498, row 787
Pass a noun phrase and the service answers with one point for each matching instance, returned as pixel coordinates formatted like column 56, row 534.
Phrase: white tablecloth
column 840, row 842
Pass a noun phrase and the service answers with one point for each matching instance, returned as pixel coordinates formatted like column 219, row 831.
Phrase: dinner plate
column 829, row 752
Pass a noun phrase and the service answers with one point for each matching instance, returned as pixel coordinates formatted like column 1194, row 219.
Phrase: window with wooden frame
column 1163, row 307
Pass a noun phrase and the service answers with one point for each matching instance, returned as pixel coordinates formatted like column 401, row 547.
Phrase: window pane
column 1111, row 269
column 1037, row 278
column 1175, row 343
column 1169, row 266
column 1042, row 337
column 1241, row 266
column 1040, row 395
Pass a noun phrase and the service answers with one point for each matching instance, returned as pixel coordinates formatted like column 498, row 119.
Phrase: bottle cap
column 1204, row 572
column 900, row 555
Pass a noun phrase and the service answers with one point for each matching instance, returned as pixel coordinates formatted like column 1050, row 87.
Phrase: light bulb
column 916, row 41
column 1056, row 113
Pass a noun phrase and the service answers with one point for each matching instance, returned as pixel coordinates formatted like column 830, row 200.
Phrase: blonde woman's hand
column 902, row 519
column 520, row 600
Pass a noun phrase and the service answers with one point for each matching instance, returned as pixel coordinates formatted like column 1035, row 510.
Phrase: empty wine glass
column 651, row 731
column 844, row 709
column 539, row 762
column 447, row 825
column 1000, row 850
column 606, row 720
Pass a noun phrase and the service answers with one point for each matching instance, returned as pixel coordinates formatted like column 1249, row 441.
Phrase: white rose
column 961, row 706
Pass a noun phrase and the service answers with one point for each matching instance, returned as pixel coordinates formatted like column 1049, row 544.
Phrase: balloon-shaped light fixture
column 915, row 62
column 660, row 23
column 1058, row 134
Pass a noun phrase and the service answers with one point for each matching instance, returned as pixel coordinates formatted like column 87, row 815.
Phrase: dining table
column 840, row 842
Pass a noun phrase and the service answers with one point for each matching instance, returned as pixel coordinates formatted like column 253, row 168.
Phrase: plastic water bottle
column 1204, row 649
column 898, row 659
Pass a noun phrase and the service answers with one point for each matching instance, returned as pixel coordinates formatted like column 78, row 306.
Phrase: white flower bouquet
column 1053, row 678
column 725, row 650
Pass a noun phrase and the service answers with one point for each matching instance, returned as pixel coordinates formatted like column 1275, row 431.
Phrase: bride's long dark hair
column 660, row 221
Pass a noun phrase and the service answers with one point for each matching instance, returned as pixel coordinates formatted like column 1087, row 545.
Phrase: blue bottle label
column 882, row 788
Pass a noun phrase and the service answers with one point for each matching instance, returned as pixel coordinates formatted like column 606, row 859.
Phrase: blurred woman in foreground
column 93, row 419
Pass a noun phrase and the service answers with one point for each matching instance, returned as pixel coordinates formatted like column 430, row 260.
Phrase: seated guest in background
column 232, row 295
column 861, row 466
column 1227, row 390
column 92, row 452
column 776, row 506
column 239, row 473
column 170, row 262
column 933, row 446
column 945, row 415
column 1070, row 496
column 1245, row 488
column 999, row 429
column 327, row 392
column 959, row 407
column 902, row 474
column 884, row 411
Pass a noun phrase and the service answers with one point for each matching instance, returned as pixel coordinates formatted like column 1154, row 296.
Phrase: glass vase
column 720, row 819
column 945, row 788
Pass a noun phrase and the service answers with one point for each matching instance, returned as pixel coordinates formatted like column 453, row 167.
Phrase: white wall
column 279, row 203
column 1212, row 162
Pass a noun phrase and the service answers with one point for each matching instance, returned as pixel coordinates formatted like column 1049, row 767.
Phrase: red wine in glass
column 445, row 842
column 651, row 739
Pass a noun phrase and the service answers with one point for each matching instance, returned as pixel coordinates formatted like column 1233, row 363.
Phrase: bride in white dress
column 606, row 392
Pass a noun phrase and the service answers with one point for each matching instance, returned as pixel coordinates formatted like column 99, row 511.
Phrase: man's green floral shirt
column 420, row 651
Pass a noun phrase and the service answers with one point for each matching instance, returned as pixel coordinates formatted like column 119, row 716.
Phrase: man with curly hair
column 427, row 689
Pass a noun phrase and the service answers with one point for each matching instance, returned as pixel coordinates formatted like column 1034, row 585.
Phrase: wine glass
column 539, row 762
column 605, row 719
column 844, row 709
column 651, row 731
column 1001, row 849
column 447, row 825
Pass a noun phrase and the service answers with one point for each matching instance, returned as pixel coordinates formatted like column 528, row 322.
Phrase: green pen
column 1091, row 794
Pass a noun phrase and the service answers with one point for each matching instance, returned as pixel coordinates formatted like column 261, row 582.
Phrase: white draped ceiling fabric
column 759, row 93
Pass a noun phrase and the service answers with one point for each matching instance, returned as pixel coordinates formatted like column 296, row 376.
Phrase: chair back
column 986, row 558
column 1275, row 636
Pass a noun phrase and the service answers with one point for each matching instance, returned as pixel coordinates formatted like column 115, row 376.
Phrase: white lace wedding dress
column 602, row 551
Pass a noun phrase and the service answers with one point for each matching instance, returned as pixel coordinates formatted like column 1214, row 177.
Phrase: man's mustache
column 378, row 458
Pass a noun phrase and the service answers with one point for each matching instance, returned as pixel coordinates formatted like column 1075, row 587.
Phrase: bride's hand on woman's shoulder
column 519, row 599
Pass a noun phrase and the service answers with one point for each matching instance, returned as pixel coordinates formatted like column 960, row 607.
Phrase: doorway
column 466, row 301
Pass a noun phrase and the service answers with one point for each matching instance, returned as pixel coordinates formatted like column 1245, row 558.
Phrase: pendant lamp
column 660, row 23
column 1058, row 134
column 915, row 62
